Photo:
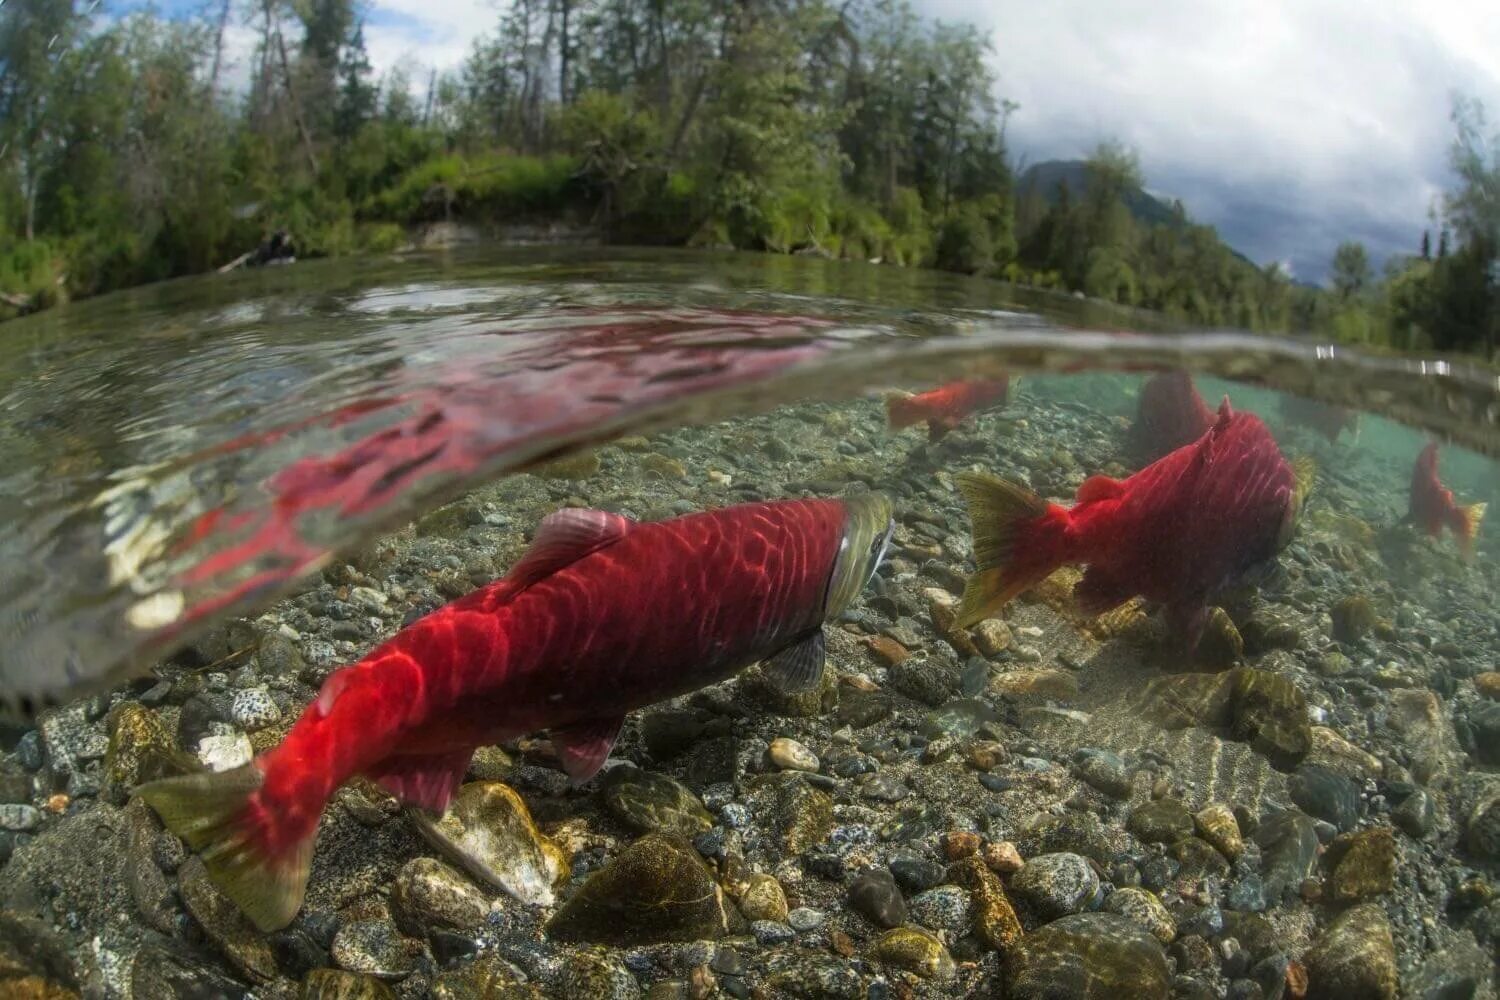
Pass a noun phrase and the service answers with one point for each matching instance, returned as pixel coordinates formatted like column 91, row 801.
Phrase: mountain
column 1147, row 209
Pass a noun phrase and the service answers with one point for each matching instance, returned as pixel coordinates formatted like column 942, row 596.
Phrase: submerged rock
column 1089, row 956
column 375, row 948
column 246, row 948
column 1364, row 864
column 1355, row 958
column 654, row 803
column 1164, row 821
column 488, row 831
column 168, row 970
column 915, row 950
column 140, row 747
column 1269, row 712
column 657, row 889
column 763, row 899
column 1216, row 824
column 995, row 920
column 1144, row 908
column 428, row 895
column 875, row 896
column 1056, row 885
column 1289, row 848
column 804, row 814
column 335, row 984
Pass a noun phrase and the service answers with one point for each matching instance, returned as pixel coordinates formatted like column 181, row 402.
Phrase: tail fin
column 214, row 813
column 900, row 410
column 1003, row 515
column 1466, row 526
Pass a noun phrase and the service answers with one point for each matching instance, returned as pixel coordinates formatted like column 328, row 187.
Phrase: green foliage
column 1351, row 271
column 963, row 245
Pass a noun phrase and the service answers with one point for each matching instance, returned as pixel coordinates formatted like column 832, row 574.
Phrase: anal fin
column 424, row 780
column 583, row 746
column 798, row 667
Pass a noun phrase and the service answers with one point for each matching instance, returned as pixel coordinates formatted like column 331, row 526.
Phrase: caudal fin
column 214, row 813
column 1466, row 526
column 900, row 411
column 1018, row 540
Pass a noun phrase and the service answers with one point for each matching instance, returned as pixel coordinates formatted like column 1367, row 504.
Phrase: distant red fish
column 1432, row 507
column 601, row 616
column 1329, row 421
column 1176, row 532
column 1168, row 415
column 947, row 406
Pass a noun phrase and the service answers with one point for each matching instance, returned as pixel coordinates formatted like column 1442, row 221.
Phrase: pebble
column 763, row 899
column 882, row 787
column 916, row 951
column 1216, row 824
column 770, row 933
column 1104, row 771
column 1002, row 857
column 252, row 709
column 654, row 803
column 225, row 751
column 1366, row 864
column 1415, row 815
column 992, row 637
column 874, row 896
column 1164, row 821
column 914, row 873
column 945, row 908
column 960, row 844
column 19, row 818
column 805, row 918
column 789, row 755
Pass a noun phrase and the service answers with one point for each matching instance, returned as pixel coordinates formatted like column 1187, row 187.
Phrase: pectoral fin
column 798, row 667
column 583, row 746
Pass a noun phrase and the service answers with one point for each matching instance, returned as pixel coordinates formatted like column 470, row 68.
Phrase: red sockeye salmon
column 1176, row 532
column 602, row 615
column 1432, row 507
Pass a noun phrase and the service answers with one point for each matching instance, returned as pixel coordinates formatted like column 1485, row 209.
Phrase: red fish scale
column 1432, row 504
column 1189, row 522
column 579, row 645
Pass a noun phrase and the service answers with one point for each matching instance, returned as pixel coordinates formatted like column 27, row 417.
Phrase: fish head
column 868, row 529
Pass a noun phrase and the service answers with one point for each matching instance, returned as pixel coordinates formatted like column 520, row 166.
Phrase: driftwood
column 237, row 262
column 21, row 302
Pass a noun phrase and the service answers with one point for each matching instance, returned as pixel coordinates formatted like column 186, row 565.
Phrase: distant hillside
column 1044, row 178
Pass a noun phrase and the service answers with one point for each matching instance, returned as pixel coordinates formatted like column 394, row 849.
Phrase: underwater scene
column 643, row 624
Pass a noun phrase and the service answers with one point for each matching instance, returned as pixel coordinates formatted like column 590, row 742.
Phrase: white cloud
column 1330, row 116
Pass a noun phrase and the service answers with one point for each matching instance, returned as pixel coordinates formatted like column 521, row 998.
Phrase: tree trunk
column 213, row 73
column 563, row 45
column 291, row 93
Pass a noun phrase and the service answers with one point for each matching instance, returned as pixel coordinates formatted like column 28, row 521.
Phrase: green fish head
column 868, row 527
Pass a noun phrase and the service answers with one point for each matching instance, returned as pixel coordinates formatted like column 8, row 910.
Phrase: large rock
column 488, row 831
column 1364, row 864
column 657, row 889
column 1088, row 956
column 148, row 886
column 1355, row 958
column 336, row 984
column 995, row 920
column 1269, row 712
column 1289, row 849
column 169, row 970
column 654, row 803
column 804, row 814
column 375, row 948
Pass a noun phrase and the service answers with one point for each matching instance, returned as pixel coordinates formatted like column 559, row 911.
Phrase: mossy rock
column 656, row 890
column 1088, row 956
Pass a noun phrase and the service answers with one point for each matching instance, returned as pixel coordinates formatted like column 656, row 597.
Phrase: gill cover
column 868, row 528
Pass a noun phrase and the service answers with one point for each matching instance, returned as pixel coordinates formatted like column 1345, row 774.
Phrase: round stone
column 1142, row 907
column 253, row 709
column 1056, row 885
column 789, row 755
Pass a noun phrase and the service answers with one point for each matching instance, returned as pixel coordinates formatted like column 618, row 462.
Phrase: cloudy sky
column 1289, row 124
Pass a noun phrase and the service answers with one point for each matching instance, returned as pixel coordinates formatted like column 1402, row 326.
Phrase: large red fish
column 1175, row 532
column 1432, row 507
column 947, row 406
column 1169, row 414
column 602, row 615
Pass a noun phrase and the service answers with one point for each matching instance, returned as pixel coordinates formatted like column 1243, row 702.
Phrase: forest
column 860, row 130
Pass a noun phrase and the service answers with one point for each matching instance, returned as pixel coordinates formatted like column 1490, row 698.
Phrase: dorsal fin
column 564, row 537
column 1100, row 487
column 1226, row 414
